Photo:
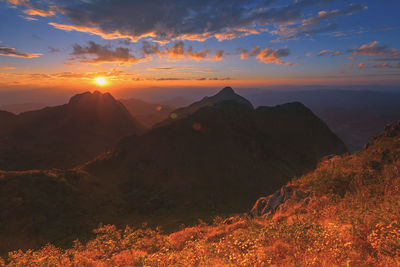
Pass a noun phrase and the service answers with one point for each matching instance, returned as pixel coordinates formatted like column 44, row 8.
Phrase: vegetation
column 351, row 217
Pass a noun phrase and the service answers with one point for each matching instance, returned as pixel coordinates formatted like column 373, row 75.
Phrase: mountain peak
column 90, row 96
column 227, row 91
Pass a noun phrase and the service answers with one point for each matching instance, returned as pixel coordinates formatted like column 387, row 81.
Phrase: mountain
column 24, row 107
column 204, row 158
column 64, row 136
column 147, row 114
column 343, row 213
column 216, row 161
column 354, row 115
column 226, row 94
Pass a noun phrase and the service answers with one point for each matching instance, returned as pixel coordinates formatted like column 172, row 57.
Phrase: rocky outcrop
column 268, row 205
column 391, row 130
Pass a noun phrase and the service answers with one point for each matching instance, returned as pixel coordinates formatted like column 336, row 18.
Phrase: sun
column 101, row 81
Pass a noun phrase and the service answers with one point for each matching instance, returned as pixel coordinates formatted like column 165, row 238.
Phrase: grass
column 351, row 218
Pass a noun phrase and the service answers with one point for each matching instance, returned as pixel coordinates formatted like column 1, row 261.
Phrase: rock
column 269, row 205
column 230, row 220
column 258, row 207
column 392, row 129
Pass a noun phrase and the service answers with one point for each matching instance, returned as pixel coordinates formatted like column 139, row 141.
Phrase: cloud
column 53, row 49
column 39, row 12
column 97, row 31
column 179, row 51
column 181, row 69
column 324, row 15
column 36, row 37
column 387, row 65
column 267, row 55
column 313, row 25
column 176, row 51
column 28, row 18
column 151, row 49
column 200, row 55
column 95, row 53
column 11, row 52
column 329, row 53
column 361, row 65
column 219, row 54
column 7, row 68
column 166, row 20
column 214, row 79
column 373, row 49
column 34, row 8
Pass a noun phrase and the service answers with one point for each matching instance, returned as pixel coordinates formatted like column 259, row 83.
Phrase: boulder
column 268, row 205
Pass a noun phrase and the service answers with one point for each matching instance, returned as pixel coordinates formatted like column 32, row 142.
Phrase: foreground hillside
column 344, row 213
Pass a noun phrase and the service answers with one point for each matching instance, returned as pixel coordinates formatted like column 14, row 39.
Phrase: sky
column 242, row 43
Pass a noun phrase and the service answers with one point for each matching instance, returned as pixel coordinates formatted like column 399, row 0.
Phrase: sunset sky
column 199, row 43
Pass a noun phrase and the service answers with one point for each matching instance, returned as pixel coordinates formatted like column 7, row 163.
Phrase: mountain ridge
column 67, row 135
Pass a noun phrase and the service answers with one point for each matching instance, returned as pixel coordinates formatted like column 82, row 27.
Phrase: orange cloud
column 98, row 54
column 200, row 55
column 267, row 55
column 177, row 51
column 39, row 12
column 99, row 32
column 28, row 18
column 373, row 49
column 11, row 52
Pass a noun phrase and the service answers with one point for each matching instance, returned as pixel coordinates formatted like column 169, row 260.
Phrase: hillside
column 202, row 160
column 64, row 136
column 345, row 212
column 216, row 161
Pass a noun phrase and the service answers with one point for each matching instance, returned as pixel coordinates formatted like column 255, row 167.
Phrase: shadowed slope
column 219, row 157
column 67, row 135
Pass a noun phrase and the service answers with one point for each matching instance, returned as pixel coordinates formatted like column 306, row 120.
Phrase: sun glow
column 101, row 81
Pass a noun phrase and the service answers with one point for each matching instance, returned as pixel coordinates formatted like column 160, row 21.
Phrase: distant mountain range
column 146, row 113
column 216, row 157
column 226, row 94
column 64, row 136
column 354, row 115
column 24, row 107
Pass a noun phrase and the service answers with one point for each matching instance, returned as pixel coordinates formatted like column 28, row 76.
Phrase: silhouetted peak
column 88, row 96
column 227, row 91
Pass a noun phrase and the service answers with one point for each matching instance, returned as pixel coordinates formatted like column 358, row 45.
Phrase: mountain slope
column 67, row 135
column 344, row 213
column 204, row 159
column 218, row 160
column 226, row 94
